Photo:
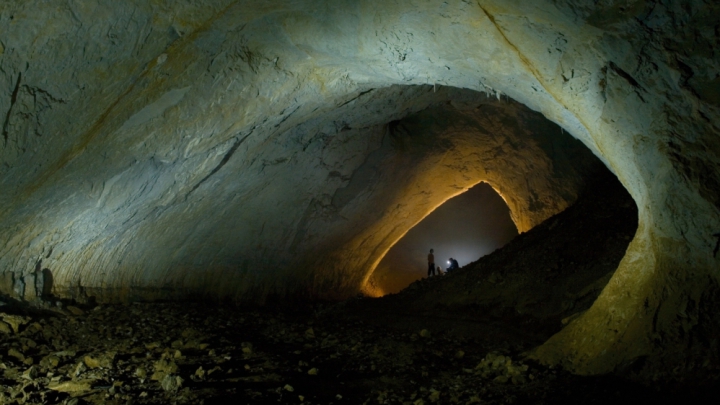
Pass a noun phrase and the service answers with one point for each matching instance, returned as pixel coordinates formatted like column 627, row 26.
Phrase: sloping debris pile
column 553, row 272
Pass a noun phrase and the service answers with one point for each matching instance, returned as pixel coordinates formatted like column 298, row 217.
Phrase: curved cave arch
column 466, row 227
column 450, row 148
column 107, row 177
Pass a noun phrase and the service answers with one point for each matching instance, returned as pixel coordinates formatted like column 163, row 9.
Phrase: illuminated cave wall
column 227, row 147
column 442, row 151
column 466, row 227
column 308, row 210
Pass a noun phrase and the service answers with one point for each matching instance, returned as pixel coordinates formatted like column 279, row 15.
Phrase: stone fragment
column 31, row 373
column 13, row 352
column 50, row 361
column 163, row 368
column 425, row 333
column 140, row 372
column 171, row 383
column 28, row 343
column 15, row 321
column 247, row 347
column 5, row 328
column 79, row 369
column 104, row 360
column 288, row 388
column 34, row 328
column 66, row 353
column 501, row 379
column 75, row 310
column 75, row 386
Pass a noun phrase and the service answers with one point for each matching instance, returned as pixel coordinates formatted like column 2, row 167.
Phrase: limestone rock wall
column 315, row 207
column 147, row 147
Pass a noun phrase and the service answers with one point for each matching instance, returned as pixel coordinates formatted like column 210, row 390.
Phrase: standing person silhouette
column 431, row 263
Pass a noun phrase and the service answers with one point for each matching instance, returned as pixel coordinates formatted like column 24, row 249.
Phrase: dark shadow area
column 466, row 227
column 47, row 284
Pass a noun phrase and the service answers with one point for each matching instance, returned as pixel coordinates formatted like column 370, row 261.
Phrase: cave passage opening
column 469, row 140
column 466, row 227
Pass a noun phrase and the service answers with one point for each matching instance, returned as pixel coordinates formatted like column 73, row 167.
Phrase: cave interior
column 234, row 200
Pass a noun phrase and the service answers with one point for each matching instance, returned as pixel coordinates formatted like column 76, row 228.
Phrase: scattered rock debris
column 200, row 354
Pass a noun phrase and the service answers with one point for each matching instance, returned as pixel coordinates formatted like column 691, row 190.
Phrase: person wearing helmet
column 431, row 263
column 453, row 265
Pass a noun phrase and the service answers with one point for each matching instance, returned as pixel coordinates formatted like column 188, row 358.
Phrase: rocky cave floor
column 434, row 343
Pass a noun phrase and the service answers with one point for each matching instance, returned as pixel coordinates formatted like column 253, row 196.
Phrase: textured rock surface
column 199, row 354
column 165, row 148
column 315, row 207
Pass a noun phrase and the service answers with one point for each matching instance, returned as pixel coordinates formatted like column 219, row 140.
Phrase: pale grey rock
column 19, row 288
column 171, row 383
column 39, row 283
column 29, row 292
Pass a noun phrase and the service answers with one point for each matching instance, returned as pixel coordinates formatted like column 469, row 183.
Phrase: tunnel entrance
column 466, row 227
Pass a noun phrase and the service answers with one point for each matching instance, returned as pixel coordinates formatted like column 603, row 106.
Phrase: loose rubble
column 197, row 354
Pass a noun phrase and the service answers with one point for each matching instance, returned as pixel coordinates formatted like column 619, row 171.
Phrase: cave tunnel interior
column 228, row 201
column 465, row 228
